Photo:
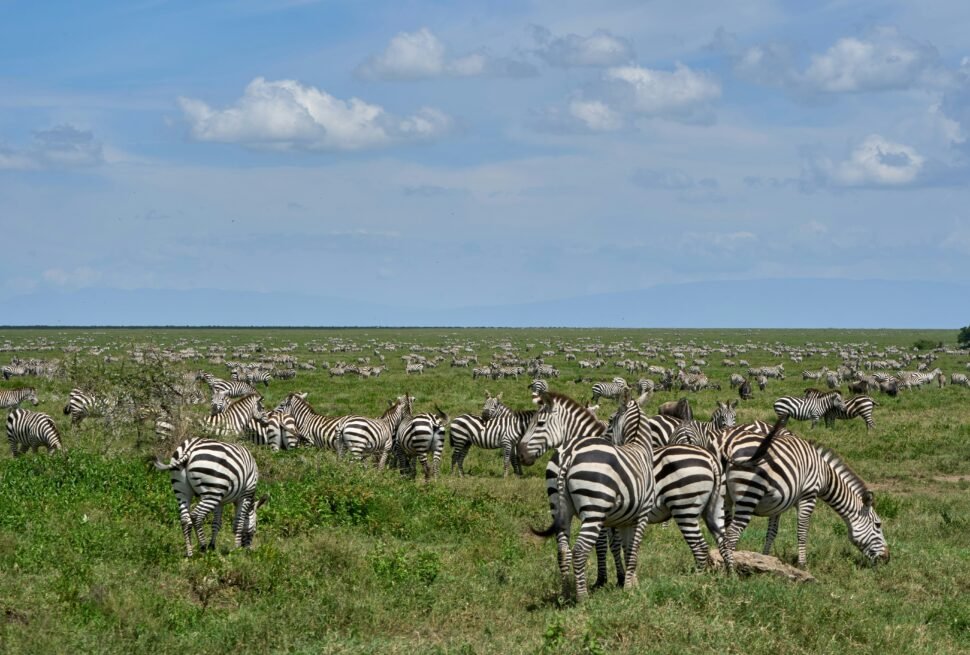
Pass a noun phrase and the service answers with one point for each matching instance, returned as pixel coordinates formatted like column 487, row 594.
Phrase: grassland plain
column 351, row 560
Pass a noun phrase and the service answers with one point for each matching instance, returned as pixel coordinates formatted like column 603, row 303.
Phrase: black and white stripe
column 319, row 430
column 782, row 471
column 702, row 434
column 28, row 429
column 251, row 376
column 606, row 485
column 419, row 438
column 231, row 388
column 218, row 473
column 275, row 429
column 81, row 404
column 235, row 419
column 851, row 408
column 504, row 427
column 361, row 436
column 808, row 409
column 12, row 397
column 464, row 431
column 612, row 389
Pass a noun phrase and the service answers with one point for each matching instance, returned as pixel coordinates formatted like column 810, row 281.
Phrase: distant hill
column 793, row 303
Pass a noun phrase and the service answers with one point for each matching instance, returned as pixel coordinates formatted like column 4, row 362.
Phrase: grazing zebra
column 736, row 380
column 414, row 368
column 231, row 388
column 28, row 429
column 275, row 429
column 464, row 431
column 854, row 406
column 218, row 473
column 10, row 398
column 762, row 382
column 609, row 389
column 701, row 433
column 234, row 420
column 418, row 438
column 955, row 378
column 320, row 431
column 808, row 409
column 252, row 376
column 504, row 427
column 13, row 370
column 908, row 379
column 744, row 391
column 81, row 404
column 786, row 471
column 606, row 485
column 360, row 435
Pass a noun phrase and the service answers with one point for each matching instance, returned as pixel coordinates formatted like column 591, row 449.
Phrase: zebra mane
column 563, row 399
column 242, row 399
column 842, row 470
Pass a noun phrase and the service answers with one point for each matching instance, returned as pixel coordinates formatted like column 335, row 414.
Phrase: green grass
column 351, row 560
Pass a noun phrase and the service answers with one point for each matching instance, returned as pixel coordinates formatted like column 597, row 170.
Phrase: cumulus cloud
column 600, row 49
column 421, row 55
column 287, row 115
column 681, row 94
column 881, row 60
column 876, row 162
column 595, row 115
column 63, row 146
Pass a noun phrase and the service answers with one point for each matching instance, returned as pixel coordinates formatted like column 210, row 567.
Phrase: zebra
column 702, row 433
column 609, row 389
column 645, row 386
column 29, row 429
column 81, row 404
column 275, row 429
column 318, row 430
column 464, row 431
column 736, row 380
column 678, row 408
column 606, row 485
column 10, row 398
column 909, row 379
column 804, row 409
column 762, row 381
column 744, row 391
column 236, row 417
column 13, row 370
column 414, row 368
column 231, row 388
column 418, row 438
column 854, row 406
column 218, row 473
column 955, row 378
column 786, row 471
column 252, row 376
column 504, row 427
column 360, row 435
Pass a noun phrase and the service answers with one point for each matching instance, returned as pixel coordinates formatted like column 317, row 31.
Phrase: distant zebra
column 612, row 389
column 28, row 429
column 319, row 430
column 909, row 379
column 808, row 409
column 414, row 368
column 538, row 386
column 81, row 404
column 854, row 406
column 12, row 397
column 231, row 388
column 360, row 435
column 955, row 378
column 252, row 376
column 420, row 437
column 744, row 391
column 234, row 420
column 736, row 380
column 504, row 427
column 607, row 486
column 218, row 473
column 699, row 433
column 762, row 381
column 645, row 386
column 794, row 472
column 275, row 429
column 13, row 370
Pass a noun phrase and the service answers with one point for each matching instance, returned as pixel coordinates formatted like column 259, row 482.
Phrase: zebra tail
column 765, row 444
column 67, row 409
column 558, row 519
column 159, row 465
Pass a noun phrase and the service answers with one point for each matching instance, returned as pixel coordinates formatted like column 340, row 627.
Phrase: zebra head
column 491, row 405
column 865, row 530
column 725, row 416
column 219, row 403
column 249, row 531
column 32, row 396
column 543, row 432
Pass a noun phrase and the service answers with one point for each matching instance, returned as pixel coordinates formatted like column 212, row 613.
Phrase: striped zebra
column 700, row 433
column 786, row 471
column 418, row 438
column 28, row 429
column 218, row 473
column 13, row 370
column 854, row 406
column 609, row 389
column 251, row 376
column 504, row 427
column 464, row 431
column 236, row 417
column 606, row 485
column 538, row 386
column 319, row 430
column 736, row 380
column 362, row 436
column 10, row 398
column 231, row 388
column 955, row 378
column 81, row 404
column 909, row 379
column 414, row 368
column 645, row 386
column 275, row 429
column 808, row 409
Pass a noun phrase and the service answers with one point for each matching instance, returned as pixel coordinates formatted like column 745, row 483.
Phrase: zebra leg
column 691, row 531
column 458, row 459
column 772, row 532
column 516, row 464
column 241, row 520
column 742, row 516
column 202, row 509
column 616, row 549
column 216, row 525
column 805, row 508
column 423, row 458
column 601, row 547
column 186, row 520
column 631, row 543
column 588, row 533
column 436, row 465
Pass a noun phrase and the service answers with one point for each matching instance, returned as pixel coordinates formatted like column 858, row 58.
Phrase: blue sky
column 454, row 154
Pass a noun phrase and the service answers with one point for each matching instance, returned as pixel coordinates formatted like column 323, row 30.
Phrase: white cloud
column 681, row 93
column 874, row 162
column 595, row 115
column 287, row 115
column 63, row 146
column 600, row 49
column 421, row 55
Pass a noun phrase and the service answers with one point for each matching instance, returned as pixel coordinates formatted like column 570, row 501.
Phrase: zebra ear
column 734, row 403
column 868, row 498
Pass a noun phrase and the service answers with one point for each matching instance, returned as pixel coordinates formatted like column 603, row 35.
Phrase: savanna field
column 348, row 559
